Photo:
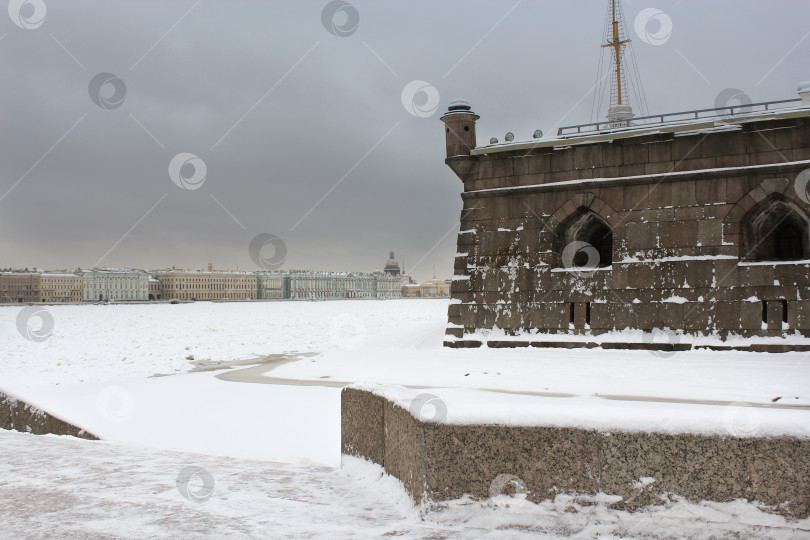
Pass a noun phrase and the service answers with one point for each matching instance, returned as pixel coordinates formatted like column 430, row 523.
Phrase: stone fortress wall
column 698, row 227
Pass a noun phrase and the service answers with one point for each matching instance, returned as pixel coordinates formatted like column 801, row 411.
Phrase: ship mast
column 617, row 43
column 620, row 111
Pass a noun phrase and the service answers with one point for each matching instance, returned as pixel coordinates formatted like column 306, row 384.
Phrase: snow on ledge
column 628, row 260
column 457, row 406
column 676, row 174
column 638, row 336
column 583, row 270
column 771, row 263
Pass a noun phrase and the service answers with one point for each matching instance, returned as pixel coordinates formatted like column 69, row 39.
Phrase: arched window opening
column 788, row 240
column 775, row 230
column 585, row 241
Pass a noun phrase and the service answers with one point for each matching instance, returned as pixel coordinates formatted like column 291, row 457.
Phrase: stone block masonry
column 439, row 461
column 17, row 415
column 698, row 228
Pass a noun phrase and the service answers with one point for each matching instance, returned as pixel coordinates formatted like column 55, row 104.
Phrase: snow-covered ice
column 166, row 385
column 97, row 371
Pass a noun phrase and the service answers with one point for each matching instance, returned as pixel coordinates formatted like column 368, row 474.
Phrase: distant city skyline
column 156, row 134
column 211, row 265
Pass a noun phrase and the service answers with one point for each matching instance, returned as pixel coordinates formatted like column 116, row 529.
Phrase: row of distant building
column 130, row 285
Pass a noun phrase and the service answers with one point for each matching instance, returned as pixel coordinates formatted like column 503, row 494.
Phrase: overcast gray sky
column 303, row 133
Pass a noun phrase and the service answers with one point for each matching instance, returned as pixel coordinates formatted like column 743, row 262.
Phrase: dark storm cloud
column 280, row 110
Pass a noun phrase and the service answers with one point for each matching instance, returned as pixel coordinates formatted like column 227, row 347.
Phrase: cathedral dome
column 392, row 266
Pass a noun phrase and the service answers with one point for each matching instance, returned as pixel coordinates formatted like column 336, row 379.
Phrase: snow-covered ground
column 100, row 343
column 97, row 369
column 58, row 487
column 727, row 393
column 157, row 380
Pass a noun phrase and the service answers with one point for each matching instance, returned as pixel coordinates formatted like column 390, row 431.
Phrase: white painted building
column 388, row 286
column 273, row 286
column 318, row 285
column 299, row 285
column 114, row 284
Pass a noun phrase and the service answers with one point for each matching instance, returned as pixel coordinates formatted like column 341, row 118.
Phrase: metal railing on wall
column 669, row 118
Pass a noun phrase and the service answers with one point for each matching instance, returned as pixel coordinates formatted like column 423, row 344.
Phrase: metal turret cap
column 803, row 87
column 459, row 104
column 459, row 107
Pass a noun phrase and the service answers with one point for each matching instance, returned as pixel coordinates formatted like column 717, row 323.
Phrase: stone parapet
column 17, row 415
column 439, row 461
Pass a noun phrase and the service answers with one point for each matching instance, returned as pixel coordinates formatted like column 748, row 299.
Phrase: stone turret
column 459, row 122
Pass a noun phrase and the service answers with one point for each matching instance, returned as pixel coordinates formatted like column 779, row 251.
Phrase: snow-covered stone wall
column 696, row 232
column 18, row 415
column 439, row 461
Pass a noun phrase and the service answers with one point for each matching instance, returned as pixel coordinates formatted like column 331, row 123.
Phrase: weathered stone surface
column 677, row 241
column 770, row 470
column 437, row 461
column 17, row 415
column 362, row 430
